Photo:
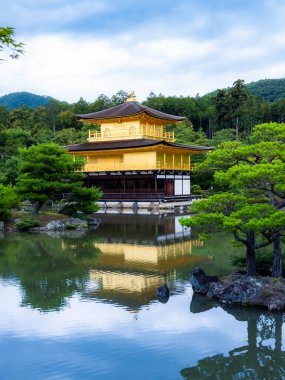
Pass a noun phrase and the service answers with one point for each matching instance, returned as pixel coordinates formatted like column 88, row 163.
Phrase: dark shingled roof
column 124, row 144
column 129, row 108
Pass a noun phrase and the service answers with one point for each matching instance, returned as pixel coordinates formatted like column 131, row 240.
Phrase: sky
column 84, row 48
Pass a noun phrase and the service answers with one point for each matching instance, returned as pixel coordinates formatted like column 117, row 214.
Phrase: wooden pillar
column 164, row 160
column 173, row 160
column 155, row 184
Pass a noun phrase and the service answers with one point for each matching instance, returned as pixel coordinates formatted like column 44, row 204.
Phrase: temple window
column 107, row 132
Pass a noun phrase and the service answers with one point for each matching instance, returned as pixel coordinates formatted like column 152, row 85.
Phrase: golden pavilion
column 132, row 157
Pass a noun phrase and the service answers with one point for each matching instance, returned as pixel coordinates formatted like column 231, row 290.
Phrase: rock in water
column 163, row 291
column 200, row 281
column 243, row 290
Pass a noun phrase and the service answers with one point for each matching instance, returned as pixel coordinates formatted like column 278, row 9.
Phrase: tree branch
column 239, row 239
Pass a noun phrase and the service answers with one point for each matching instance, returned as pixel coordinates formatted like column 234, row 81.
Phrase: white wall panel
column 178, row 187
column 186, row 186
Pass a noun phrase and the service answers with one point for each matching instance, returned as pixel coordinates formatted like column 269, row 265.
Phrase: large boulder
column 55, row 225
column 200, row 281
column 243, row 290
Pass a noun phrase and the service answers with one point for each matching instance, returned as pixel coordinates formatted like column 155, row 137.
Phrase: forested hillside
column 19, row 99
column 268, row 89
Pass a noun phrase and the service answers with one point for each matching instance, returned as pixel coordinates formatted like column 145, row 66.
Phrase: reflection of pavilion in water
column 139, row 255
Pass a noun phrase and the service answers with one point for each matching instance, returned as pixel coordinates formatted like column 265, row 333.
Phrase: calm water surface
column 83, row 306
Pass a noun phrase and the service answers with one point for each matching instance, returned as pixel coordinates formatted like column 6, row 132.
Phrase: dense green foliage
column 8, row 200
column 48, row 173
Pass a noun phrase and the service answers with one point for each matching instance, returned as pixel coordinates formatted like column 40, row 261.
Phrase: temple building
column 131, row 157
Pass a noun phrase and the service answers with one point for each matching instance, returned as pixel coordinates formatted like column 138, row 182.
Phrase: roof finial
column 132, row 97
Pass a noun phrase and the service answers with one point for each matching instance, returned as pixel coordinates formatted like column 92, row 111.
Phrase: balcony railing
column 132, row 132
column 159, row 165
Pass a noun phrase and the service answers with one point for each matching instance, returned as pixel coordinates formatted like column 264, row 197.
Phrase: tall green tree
column 256, row 171
column 222, row 105
column 47, row 172
column 119, row 98
column 252, row 224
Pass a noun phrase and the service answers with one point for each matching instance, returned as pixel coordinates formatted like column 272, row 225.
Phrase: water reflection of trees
column 261, row 358
column 50, row 269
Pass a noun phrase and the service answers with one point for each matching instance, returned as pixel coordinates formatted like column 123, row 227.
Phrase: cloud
column 181, row 49
column 68, row 68
column 54, row 15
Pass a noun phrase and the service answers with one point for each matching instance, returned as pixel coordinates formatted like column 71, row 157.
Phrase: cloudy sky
column 83, row 48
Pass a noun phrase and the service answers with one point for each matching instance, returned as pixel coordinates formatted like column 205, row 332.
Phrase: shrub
column 196, row 189
column 71, row 226
column 25, row 223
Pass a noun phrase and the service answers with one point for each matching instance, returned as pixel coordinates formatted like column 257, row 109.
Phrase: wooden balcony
column 131, row 133
column 135, row 166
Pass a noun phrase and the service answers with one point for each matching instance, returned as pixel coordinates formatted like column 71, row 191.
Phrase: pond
column 82, row 305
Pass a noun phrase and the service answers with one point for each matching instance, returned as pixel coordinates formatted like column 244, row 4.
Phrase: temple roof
column 135, row 143
column 129, row 108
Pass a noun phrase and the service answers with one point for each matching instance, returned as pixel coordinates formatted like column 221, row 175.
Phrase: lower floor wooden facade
column 141, row 185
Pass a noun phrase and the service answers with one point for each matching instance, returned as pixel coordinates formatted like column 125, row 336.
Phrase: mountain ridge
column 23, row 98
column 269, row 90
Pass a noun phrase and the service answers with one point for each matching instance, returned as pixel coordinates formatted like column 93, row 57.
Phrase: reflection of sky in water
column 100, row 334
column 111, row 326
